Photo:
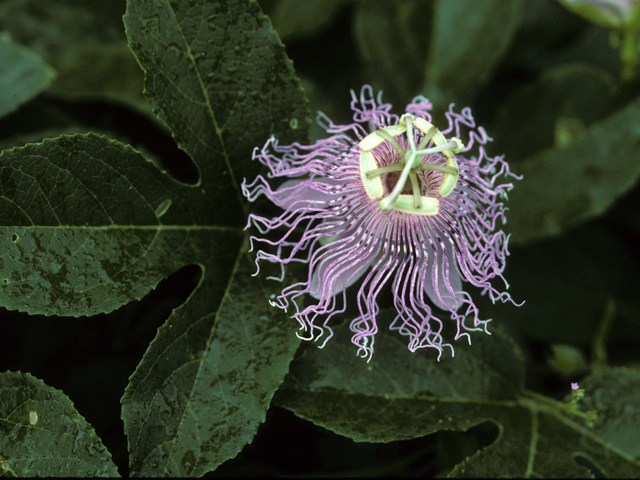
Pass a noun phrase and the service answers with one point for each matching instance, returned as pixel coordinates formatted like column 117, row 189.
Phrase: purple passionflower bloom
column 387, row 199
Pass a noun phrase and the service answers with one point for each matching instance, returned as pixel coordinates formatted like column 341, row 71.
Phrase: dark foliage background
column 547, row 87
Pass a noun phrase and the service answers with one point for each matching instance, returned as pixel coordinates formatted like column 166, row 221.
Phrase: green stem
column 567, row 407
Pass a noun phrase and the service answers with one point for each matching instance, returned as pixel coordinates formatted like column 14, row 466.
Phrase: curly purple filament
column 347, row 236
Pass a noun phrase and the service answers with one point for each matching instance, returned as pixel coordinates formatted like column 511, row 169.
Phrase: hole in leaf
column 92, row 358
column 116, row 121
column 14, row 237
column 454, row 447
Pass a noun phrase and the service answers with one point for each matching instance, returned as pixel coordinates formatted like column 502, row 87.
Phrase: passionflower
column 389, row 200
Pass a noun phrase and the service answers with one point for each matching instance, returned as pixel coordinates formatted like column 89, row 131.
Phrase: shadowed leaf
column 217, row 74
column 23, row 74
column 84, row 42
column 294, row 19
column 566, row 186
column 400, row 395
column 393, row 39
column 42, row 434
column 469, row 38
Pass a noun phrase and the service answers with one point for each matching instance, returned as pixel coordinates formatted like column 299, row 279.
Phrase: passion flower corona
column 387, row 199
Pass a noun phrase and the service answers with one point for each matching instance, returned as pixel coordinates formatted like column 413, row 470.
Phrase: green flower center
column 410, row 163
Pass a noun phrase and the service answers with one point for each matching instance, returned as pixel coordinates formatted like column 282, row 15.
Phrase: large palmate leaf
column 95, row 225
column 23, row 74
column 88, row 224
column 400, row 395
column 565, row 186
column 42, row 434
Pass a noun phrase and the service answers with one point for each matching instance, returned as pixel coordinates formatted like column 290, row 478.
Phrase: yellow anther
column 450, row 180
column 429, row 206
column 422, row 125
column 374, row 139
column 411, row 160
column 373, row 186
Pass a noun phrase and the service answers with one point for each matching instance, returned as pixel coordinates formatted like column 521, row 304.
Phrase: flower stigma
column 413, row 160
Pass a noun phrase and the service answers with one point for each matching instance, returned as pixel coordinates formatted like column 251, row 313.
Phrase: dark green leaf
column 566, row 186
column 294, row 19
column 217, row 74
column 536, row 440
column 400, row 395
column 613, row 393
column 23, row 74
column 207, row 379
column 98, row 226
column 91, row 225
column 83, row 41
column 88, row 225
column 552, row 111
column 392, row 38
column 565, row 283
column 42, row 434
column 469, row 39
column 338, row 390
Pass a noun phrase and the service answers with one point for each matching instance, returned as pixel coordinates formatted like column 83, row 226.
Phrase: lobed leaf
column 338, row 390
column 88, row 224
column 400, row 395
column 42, row 434
column 217, row 74
column 206, row 381
column 538, row 441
